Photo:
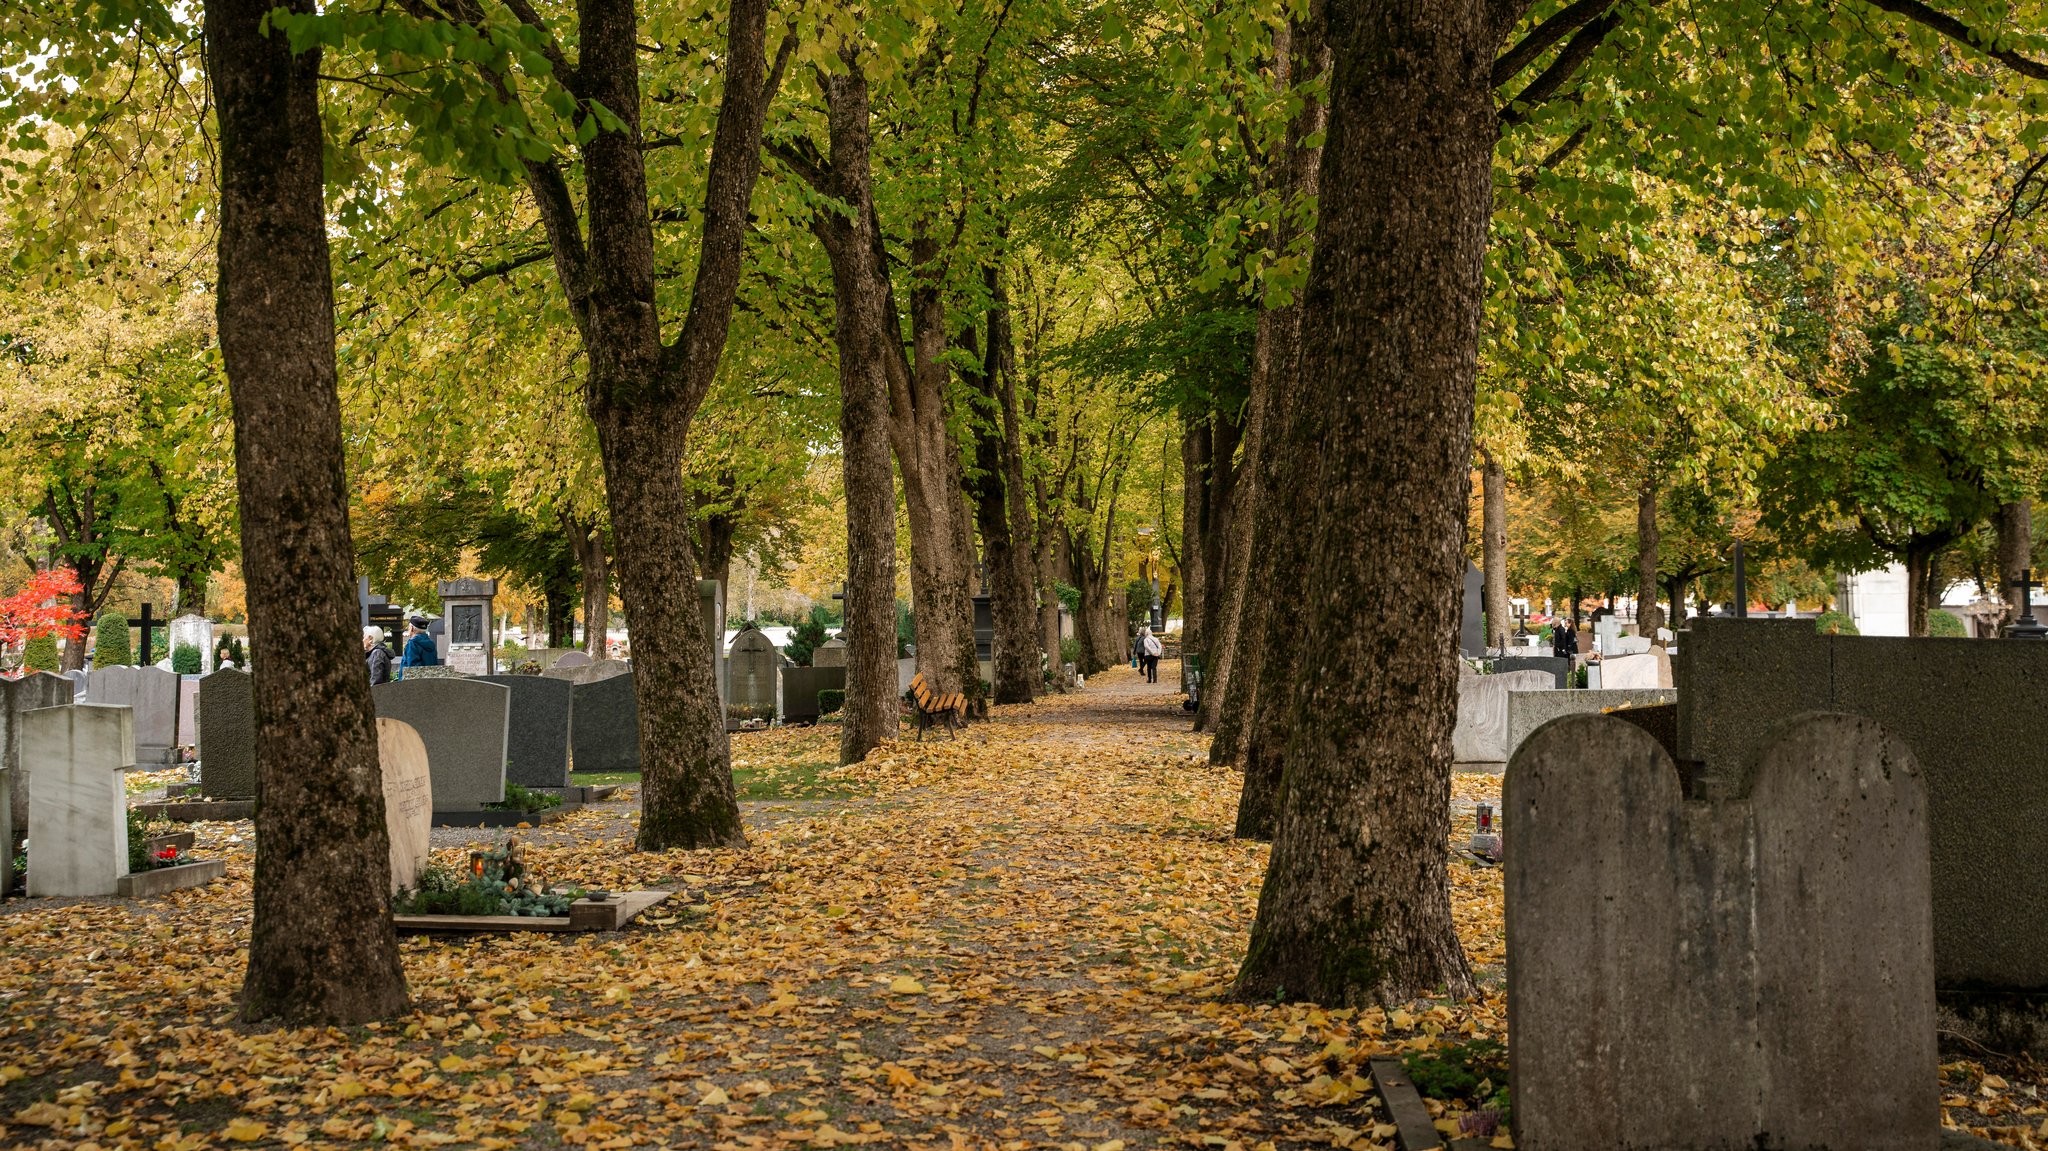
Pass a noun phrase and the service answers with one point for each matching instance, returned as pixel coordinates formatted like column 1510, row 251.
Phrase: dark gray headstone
column 153, row 694
column 800, row 687
column 537, row 748
column 464, row 724
column 1558, row 666
column 604, row 727
column 1472, row 627
column 227, row 735
column 1773, row 952
column 1975, row 714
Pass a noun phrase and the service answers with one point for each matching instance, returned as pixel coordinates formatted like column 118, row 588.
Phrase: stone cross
column 147, row 624
column 2026, row 626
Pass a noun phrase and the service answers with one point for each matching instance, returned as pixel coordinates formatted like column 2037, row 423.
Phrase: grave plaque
column 1709, row 975
column 604, row 725
column 408, row 799
column 78, row 811
column 1472, row 623
column 537, row 748
column 227, row 735
column 153, row 695
column 464, row 724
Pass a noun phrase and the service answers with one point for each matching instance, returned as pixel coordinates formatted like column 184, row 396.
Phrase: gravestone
column 797, row 691
column 188, row 710
column 1481, row 735
column 464, row 724
column 227, row 735
column 78, row 809
column 572, row 659
column 831, row 653
column 17, row 696
column 78, row 680
column 1753, row 971
column 197, row 631
column 537, row 745
column 1560, row 667
column 470, row 637
column 1472, row 624
column 152, row 694
column 711, row 609
column 604, row 725
column 1529, row 710
column 752, row 672
column 432, row 671
column 589, row 672
column 408, row 799
column 1643, row 671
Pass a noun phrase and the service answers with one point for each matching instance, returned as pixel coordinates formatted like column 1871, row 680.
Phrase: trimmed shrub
column 110, row 646
column 830, row 700
column 186, row 659
column 40, row 654
column 806, row 638
column 1944, row 625
column 1836, row 623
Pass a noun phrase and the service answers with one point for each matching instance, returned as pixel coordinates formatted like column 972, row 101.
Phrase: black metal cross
column 2026, row 626
column 147, row 624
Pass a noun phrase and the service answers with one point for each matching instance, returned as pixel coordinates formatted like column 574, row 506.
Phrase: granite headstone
column 537, row 748
column 604, row 725
column 752, row 671
column 227, row 735
column 152, row 694
column 464, row 724
column 34, row 690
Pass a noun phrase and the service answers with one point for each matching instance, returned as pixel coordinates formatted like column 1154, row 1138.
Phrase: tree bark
column 1493, row 546
column 641, row 394
column 1285, row 476
column 74, row 517
column 321, row 947
column 1221, row 560
column 998, row 505
column 2015, row 552
column 586, row 541
column 864, row 334
column 1355, row 905
column 1649, row 617
column 1920, row 592
column 1194, row 463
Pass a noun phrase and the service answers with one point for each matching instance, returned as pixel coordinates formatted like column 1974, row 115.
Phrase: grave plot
column 496, row 893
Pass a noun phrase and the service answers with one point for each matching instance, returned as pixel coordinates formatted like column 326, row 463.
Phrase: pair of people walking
column 1149, row 651
column 419, row 651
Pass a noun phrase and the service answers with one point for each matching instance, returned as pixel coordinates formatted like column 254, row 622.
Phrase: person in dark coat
column 1564, row 639
column 419, row 648
column 377, row 655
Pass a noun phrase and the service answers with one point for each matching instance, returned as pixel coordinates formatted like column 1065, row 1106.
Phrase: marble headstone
column 752, row 671
column 537, row 748
column 604, row 729
column 197, row 631
column 408, row 799
column 37, row 689
column 1703, row 975
column 188, row 710
column 78, row 812
column 153, row 695
column 227, row 735
column 464, row 724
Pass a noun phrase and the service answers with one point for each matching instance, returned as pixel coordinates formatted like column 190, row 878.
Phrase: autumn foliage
column 42, row 608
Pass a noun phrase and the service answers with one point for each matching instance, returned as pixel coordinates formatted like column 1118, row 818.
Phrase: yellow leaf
column 716, row 1097
column 245, row 1130
column 581, row 1101
column 348, row 1089
column 41, row 1114
column 905, row 985
column 10, row 1073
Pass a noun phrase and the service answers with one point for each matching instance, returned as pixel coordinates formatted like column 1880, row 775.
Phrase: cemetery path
column 1017, row 939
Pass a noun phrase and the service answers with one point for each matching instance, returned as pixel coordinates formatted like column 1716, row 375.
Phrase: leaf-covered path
column 1019, row 938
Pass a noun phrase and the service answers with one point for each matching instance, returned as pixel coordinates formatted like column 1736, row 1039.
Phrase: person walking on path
column 377, row 655
column 1149, row 651
column 419, row 648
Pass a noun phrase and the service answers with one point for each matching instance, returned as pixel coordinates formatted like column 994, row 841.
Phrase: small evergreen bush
column 1836, row 623
column 1943, row 625
column 110, row 646
column 830, row 700
column 806, row 638
column 40, row 654
column 186, row 659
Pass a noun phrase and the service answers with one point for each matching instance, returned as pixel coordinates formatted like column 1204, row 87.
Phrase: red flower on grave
column 167, row 854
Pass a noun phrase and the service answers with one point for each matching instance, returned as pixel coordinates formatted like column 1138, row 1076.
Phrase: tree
column 322, row 948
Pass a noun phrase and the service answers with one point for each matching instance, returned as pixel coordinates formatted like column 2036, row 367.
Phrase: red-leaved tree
column 42, row 607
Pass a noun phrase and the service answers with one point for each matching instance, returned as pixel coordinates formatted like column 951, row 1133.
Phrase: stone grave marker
column 197, row 631
column 188, row 710
column 408, row 799
column 464, row 724
column 227, row 735
column 1745, row 972
column 17, row 696
column 797, row 688
column 152, row 694
column 752, row 671
column 831, row 653
column 537, row 747
column 1529, row 710
column 1481, row 735
column 78, row 810
column 469, row 644
column 571, row 659
column 604, row 725
column 1472, row 622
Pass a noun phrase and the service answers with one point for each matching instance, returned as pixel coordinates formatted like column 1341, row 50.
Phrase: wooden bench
column 929, row 706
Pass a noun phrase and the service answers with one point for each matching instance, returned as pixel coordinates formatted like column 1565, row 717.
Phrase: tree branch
column 1963, row 34
column 1510, row 63
column 1546, row 85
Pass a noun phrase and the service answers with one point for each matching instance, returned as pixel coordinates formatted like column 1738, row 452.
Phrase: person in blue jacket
column 419, row 648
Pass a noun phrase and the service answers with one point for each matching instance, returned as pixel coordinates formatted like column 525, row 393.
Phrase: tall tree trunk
column 996, row 506
column 321, row 948
column 1922, row 595
column 1221, row 563
column 1355, row 905
column 642, row 394
column 863, row 327
column 2015, row 552
column 1267, row 645
column 191, row 593
column 1649, row 617
column 1675, row 589
column 1493, row 547
column 1045, row 564
column 586, row 541
column 1194, row 463
column 561, row 617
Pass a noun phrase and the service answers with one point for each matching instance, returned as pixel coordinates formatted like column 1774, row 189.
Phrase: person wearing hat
column 419, row 648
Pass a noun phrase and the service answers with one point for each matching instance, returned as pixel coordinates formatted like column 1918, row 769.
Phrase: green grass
column 601, row 778
column 790, row 781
